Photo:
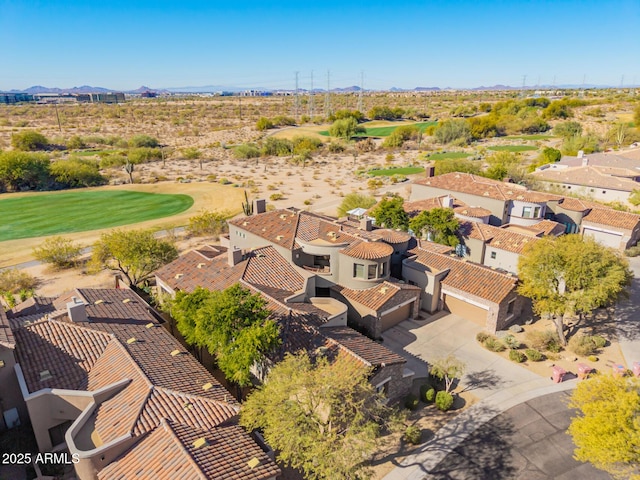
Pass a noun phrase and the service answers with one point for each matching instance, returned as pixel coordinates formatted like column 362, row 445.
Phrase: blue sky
column 123, row 45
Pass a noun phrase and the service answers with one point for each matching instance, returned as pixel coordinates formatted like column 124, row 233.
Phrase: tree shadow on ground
column 482, row 379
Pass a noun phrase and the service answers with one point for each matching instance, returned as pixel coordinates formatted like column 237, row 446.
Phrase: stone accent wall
column 398, row 386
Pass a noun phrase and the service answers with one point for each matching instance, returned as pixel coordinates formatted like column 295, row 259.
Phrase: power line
column 311, row 105
column 297, row 102
column 327, row 96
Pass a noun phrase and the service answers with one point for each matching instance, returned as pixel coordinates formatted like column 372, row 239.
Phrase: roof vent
column 201, row 442
column 279, row 237
column 45, row 375
column 1, row 363
column 253, row 463
column 126, row 300
column 187, row 405
column 207, row 386
column 175, row 353
column 131, row 340
column 283, row 216
column 178, row 276
column 98, row 302
column 200, row 265
column 383, row 290
column 150, row 325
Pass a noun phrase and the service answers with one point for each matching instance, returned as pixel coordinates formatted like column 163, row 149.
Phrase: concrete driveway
column 628, row 318
column 444, row 334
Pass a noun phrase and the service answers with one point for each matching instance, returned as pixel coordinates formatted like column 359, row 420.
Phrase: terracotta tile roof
column 612, row 218
column 574, row 204
column 476, row 212
column 501, row 238
column 278, row 227
column 589, row 176
column 6, row 335
column 468, row 277
column 468, row 183
column 531, row 196
column 31, row 306
column 432, row 246
column 413, row 208
column 158, row 456
column 381, row 296
column 265, row 266
column 546, row 227
column 392, row 236
column 230, row 462
column 67, row 351
column 368, row 250
column 371, row 352
column 211, row 251
column 189, row 271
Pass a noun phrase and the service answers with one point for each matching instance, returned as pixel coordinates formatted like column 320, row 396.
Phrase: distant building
column 9, row 98
column 149, row 94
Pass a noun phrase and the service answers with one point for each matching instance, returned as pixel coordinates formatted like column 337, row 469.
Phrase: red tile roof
column 381, row 296
column 363, row 347
column 612, row 218
column 368, row 250
column 501, row 238
column 471, row 278
column 476, row 212
column 6, row 335
column 392, row 236
column 468, row 183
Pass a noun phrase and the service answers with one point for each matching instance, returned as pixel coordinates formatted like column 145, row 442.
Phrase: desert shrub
column 585, row 345
column 511, row 342
column 444, row 401
column 76, row 142
column 516, row 356
column 335, row 147
column 279, row 147
column 413, row 435
column 76, row 172
column 482, row 336
column 246, row 151
column 112, row 161
column 543, row 340
column 264, row 123
column 144, row 154
column 58, row 251
column 534, row 355
column 13, row 280
column 424, row 393
column 282, row 121
column 411, row 402
column 304, row 144
column 632, row 251
column 208, row 223
column 29, row 140
column 138, row 141
column 276, row 196
column 592, row 358
column 430, row 395
column 393, row 141
column 493, row 344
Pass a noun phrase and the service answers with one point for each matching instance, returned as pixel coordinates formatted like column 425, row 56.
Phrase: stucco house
column 475, row 292
column 100, row 376
column 317, row 325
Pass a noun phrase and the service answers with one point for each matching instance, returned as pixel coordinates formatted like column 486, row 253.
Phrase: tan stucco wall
column 10, row 394
column 505, row 260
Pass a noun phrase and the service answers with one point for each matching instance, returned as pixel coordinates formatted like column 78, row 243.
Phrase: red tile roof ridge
column 166, row 424
column 200, row 398
column 348, row 351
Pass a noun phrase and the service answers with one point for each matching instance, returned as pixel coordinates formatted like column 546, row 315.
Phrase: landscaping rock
column 502, row 333
column 516, row 328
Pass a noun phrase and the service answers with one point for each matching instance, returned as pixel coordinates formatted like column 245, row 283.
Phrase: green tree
column 134, row 253
column 587, row 143
column 29, row 140
column 76, row 172
column 143, row 155
column 634, row 198
column 462, row 165
column 264, row 123
column 23, row 170
column 208, row 223
column 390, row 213
column 571, row 275
column 636, row 117
column 447, row 370
column 453, row 131
column 232, row 324
column 618, row 134
column 192, row 153
column 438, row 224
column 557, row 109
column 76, row 143
column 606, row 431
column 345, row 128
column 138, row 141
column 355, row 200
column 322, row 418
column 58, row 251
column 246, row 151
column 342, row 114
column 280, row 147
column 501, row 165
column 568, row 129
column 548, row 155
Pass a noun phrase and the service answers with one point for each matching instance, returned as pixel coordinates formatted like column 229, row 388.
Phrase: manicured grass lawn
column 396, row 171
column 385, row 131
column 513, row 148
column 49, row 214
column 529, row 137
column 447, row 155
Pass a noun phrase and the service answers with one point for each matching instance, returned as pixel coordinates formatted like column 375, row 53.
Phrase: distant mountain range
column 352, row 89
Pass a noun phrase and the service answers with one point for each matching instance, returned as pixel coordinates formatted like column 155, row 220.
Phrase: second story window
column 371, row 273
column 358, row 270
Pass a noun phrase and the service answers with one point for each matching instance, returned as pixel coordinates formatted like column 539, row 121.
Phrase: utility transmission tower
column 360, row 92
column 311, row 105
column 524, row 81
column 327, row 96
column 297, row 101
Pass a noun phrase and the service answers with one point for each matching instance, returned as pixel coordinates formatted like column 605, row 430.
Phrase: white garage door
column 605, row 238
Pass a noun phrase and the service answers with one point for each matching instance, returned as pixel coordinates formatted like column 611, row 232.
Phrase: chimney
column 365, row 224
column 77, row 310
column 234, row 256
column 585, row 159
column 430, row 170
column 259, row 206
column 447, row 202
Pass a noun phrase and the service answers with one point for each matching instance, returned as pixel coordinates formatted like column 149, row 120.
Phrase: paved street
column 628, row 318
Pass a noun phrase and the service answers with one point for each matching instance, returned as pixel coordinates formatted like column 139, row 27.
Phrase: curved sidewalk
column 449, row 437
